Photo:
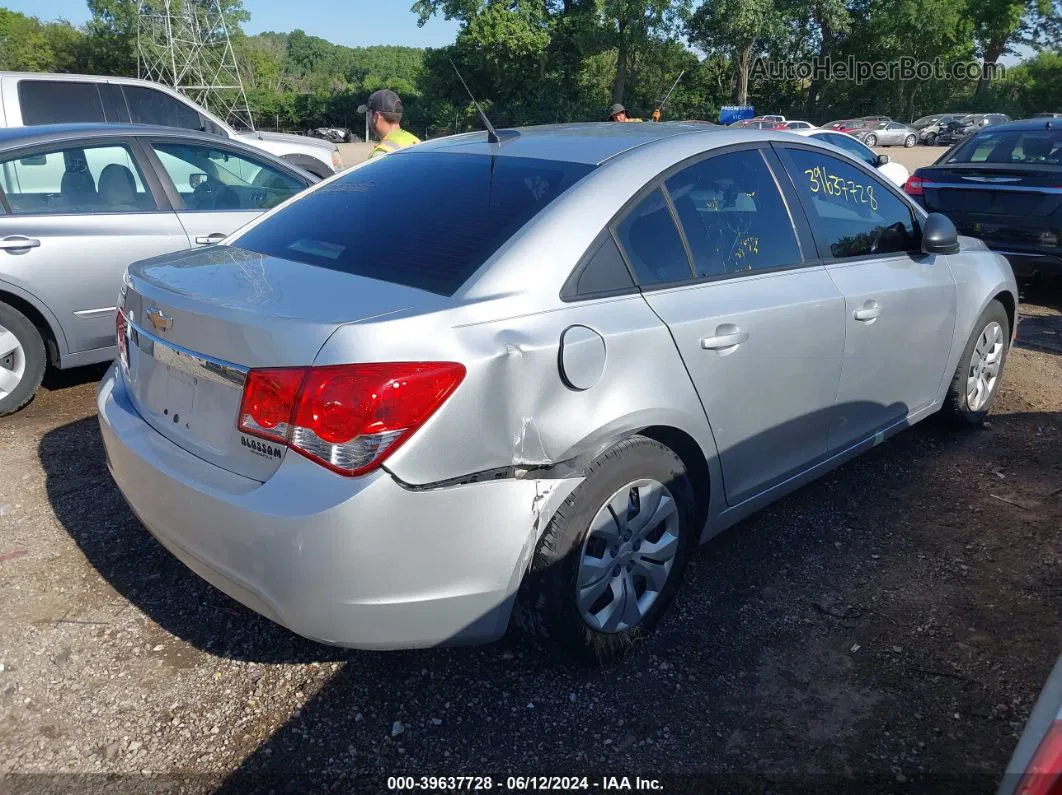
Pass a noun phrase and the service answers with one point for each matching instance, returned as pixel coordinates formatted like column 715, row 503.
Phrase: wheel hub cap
column 985, row 362
column 12, row 362
column 627, row 557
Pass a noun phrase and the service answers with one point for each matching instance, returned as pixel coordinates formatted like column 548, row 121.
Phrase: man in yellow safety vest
column 384, row 110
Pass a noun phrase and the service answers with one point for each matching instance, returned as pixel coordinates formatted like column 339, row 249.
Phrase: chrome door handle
column 19, row 243
column 871, row 311
column 730, row 337
column 210, row 240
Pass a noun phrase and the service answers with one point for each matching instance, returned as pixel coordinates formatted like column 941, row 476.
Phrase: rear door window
column 150, row 106
column 59, row 102
column 423, row 220
column 733, row 215
column 75, row 181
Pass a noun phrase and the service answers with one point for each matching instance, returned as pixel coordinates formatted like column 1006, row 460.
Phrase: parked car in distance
column 843, row 125
column 28, row 99
column 773, row 117
column 886, row 133
column 798, row 125
column 564, row 374
column 961, row 128
column 928, row 133
column 1036, row 765
column 760, row 124
column 896, row 172
column 337, row 135
column 79, row 202
column 1003, row 184
column 1047, row 116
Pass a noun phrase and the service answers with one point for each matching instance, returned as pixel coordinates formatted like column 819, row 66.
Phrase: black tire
column 546, row 606
column 871, row 141
column 909, row 141
column 35, row 359
column 956, row 404
column 931, row 139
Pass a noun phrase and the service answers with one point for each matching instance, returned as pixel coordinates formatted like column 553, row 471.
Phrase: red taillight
column 268, row 402
column 1043, row 776
column 347, row 417
column 913, row 186
column 121, row 333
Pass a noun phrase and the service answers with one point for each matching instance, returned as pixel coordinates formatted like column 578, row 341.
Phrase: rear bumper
column 1012, row 236
column 361, row 562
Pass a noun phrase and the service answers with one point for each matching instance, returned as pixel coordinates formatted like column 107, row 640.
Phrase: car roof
column 592, row 143
column 11, row 137
column 1024, row 124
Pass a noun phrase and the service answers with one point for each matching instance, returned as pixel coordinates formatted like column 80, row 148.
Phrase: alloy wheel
column 985, row 362
column 871, row 140
column 627, row 556
column 12, row 362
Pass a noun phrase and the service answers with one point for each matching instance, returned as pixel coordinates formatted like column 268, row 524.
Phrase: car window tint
column 851, row 145
column 149, row 106
column 59, row 102
column 215, row 179
column 605, row 272
column 854, row 212
column 75, row 180
column 424, row 220
column 652, row 242
column 733, row 215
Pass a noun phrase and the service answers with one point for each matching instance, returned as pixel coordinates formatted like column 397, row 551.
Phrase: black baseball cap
column 384, row 101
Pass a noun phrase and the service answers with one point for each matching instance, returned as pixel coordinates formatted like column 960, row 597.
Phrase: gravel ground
column 886, row 629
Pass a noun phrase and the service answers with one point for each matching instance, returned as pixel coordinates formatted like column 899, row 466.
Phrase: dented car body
column 503, row 299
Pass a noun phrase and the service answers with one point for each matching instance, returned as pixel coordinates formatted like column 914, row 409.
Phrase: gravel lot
column 884, row 630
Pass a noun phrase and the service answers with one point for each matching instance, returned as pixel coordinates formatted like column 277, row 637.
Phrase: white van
column 28, row 99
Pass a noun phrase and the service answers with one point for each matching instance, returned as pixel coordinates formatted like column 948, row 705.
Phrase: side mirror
column 196, row 179
column 939, row 235
column 882, row 160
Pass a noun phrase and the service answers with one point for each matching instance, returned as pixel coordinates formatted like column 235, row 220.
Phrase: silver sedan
column 481, row 381
column 887, row 133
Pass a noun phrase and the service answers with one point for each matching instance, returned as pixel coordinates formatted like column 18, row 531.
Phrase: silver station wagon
column 524, row 377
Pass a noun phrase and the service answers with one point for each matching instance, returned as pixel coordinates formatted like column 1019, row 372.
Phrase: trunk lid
column 997, row 189
column 199, row 320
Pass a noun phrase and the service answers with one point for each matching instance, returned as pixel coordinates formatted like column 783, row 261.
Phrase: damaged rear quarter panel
column 513, row 410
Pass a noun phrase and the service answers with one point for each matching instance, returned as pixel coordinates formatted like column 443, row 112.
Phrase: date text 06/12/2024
column 523, row 784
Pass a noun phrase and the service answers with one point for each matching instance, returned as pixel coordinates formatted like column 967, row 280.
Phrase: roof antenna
column 492, row 134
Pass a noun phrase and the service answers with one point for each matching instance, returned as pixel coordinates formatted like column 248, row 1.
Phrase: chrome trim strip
column 195, row 364
column 1013, row 188
column 107, row 310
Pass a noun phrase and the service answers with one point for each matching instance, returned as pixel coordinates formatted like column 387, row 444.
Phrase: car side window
column 605, row 272
column 851, row 145
column 854, row 213
column 59, row 102
column 150, row 106
column 210, row 178
column 733, row 215
column 75, row 181
column 651, row 239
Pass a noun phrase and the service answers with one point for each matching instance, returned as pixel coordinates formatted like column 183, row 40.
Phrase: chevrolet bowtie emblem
column 159, row 319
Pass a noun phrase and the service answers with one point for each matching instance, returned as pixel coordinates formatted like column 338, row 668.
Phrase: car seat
column 117, row 189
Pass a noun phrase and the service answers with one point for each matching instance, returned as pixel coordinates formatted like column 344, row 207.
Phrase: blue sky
column 351, row 22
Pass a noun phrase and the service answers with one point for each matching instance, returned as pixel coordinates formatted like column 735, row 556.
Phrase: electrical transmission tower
column 185, row 44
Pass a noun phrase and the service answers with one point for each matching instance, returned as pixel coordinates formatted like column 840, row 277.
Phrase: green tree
column 739, row 29
column 1001, row 25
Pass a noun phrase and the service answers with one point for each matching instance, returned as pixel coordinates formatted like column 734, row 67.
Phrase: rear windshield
column 425, row 220
column 1043, row 146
